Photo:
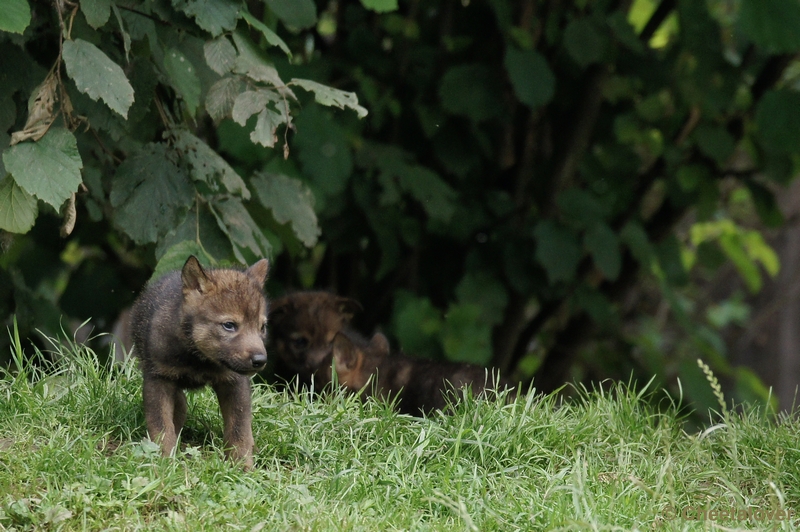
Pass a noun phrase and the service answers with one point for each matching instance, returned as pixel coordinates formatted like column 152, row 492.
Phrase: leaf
column 417, row 324
column 778, row 121
column 471, row 90
column 252, row 64
column 715, row 142
column 266, row 127
column 635, row 237
column 15, row 16
column 97, row 12
column 271, row 37
column 49, row 169
column 435, row 195
column 214, row 16
column 18, row 209
column 98, row 76
column 533, row 81
column 207, row 166
column 331, row 97
column 597, row 306
column 249, row 103
column 183, row 78
column 765, row 204
column 222, row 96
column 290, row 202
column 200, row 227
column 175, row 257
column 249, row 243
column 557, row 250
column 669, row 256
column 464, row 337
column 380, row 6
column 771, row 24
column 584, row 42
column 603, row 245
column 484, row 290
column 150, row 194
column 220, row 55
column 580, row 206
column 300, row 14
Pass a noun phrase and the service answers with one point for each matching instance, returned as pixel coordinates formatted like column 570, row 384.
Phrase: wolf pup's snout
column 259, row 360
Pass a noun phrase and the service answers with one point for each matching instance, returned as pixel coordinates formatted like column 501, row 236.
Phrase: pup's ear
column 258, row 271
column 280, row 307
column 345, row 353
column 348, row 307
column 379, row 344
column 194, row 276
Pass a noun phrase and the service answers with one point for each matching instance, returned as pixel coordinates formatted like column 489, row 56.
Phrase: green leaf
column 635, row 237
column 183, row 78
column 331, row 97
column 778, row 121
column 580, row 206
column 557, row 249
column 290, row 202
column 15, row 16
column 482, row 289
column 597, row 306
column 266, row 126
column 603, row 245
column 765, row 204
column 96, row 12
column 220, row 55
column 323, row 150
column 464, row 337
column 380, row 6
column 249, row 103
column 299, row 14
column 207, row 166
column 200, row 227
column 734, row 248
column 175, row 257
column 533, row 81
column 18, row 209
column 98, row 76
column 49, row 169
column 771, row 24
column 222, row 96
column 249, row 242
column 436, row 196
column 252, row 63
column 471, row 90
column 214, row 16
column 715, row 142
column 669, row 256
column 150, row 194
column 417, row 324
column 584, row 42
column 270, row 36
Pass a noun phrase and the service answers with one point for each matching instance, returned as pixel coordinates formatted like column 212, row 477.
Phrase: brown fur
column 181, row 333
column 302, row 328
column 420, row 386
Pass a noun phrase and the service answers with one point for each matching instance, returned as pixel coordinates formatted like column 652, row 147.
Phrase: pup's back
column 302, row 328
column 420, row 385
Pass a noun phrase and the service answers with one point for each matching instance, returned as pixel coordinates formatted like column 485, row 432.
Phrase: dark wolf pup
column 197, row 327
column 421, row 386
column 302, row 328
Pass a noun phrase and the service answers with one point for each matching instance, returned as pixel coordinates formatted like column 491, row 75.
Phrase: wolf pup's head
column 303, row 326
column 355, row 360
column 225, row 314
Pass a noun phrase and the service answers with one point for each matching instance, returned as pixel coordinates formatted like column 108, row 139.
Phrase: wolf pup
column 197, row 327
column 421, row 386
column 302, row 328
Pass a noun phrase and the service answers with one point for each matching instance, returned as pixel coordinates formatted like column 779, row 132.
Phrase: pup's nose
column 259, row 360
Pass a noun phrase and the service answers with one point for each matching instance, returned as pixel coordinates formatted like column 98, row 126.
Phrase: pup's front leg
column 234, row 402
column 164, row 406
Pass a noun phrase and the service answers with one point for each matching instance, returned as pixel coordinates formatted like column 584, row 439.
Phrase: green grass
column 73, row 455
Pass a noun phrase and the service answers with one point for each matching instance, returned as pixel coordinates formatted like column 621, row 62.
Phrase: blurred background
column 568, row 190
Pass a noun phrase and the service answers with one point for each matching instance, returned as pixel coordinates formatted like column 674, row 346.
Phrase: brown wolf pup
column 302, row 327
column 197, row 327
column 420, row 386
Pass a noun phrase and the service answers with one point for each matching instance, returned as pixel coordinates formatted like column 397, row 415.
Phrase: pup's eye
column 300, row 342
column 229, row 326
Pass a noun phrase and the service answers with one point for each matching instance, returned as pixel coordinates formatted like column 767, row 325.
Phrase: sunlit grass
column 73, row 455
